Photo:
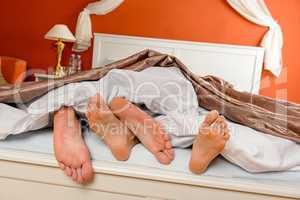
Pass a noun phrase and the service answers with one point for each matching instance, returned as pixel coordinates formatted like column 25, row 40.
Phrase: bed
column 28, row 169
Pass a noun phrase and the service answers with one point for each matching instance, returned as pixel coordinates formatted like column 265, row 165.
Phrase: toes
column 168, row 145
column 167, row 137
column 205, row 130
column 68, row 171
column 218, row 127
column 159, row 138
column 226, row 136
column 62, row 166
column 210, row 118
column 226, row 125
column 164, row 152
column 74, row 174
column 163, row 158
column 168, row 150
column 87, row 171
column 158, row 143
column 222, row 118
column 76, row 163
column 170, row 153
column 223, row 127
column 79, row 176
column 219, row 120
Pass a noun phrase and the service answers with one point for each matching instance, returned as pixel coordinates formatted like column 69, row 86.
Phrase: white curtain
column 257, row 12
column 84, row 32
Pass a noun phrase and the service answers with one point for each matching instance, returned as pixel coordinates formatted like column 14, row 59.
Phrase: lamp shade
column 60, row 32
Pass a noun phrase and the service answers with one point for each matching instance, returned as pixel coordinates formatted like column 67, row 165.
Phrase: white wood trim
column 42, row 168
column 240, row 65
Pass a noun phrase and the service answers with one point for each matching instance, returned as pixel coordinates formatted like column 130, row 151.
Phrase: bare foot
column 106, row 125
column 209, row 143
column 70, row 149
column 148, row 131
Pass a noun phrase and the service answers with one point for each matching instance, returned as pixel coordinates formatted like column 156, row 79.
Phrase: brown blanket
column 270, row 116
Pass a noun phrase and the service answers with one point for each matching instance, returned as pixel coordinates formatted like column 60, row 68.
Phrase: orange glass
column 13, row 69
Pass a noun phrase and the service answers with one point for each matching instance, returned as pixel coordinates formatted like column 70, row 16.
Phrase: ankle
column 65, row 122
column 64, row 113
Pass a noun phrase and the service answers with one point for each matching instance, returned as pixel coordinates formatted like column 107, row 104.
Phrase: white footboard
column 36, row 176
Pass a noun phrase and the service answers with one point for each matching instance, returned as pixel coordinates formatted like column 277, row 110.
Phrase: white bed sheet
column 41, row 142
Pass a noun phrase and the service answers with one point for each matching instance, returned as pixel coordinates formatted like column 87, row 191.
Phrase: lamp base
column 59, row 71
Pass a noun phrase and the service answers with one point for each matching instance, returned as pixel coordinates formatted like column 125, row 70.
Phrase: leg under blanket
column 171, row 98
column 267, row 115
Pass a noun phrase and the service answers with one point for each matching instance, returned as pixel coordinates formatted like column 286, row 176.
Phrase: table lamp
column 60, row 33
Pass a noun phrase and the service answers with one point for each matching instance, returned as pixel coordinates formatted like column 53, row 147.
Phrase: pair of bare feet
column 122, row 125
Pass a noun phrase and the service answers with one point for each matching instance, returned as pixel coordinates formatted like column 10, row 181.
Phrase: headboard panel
column 239, row 65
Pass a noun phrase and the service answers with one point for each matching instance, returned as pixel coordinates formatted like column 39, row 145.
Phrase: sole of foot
column 209, row 143
column 70, row 149
column 119, row 139
column 146, row 129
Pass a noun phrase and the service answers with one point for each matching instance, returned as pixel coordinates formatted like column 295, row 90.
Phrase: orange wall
column 23, row 24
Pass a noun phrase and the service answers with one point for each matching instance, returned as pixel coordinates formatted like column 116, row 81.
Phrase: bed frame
column 240, row 65
column 36, row 176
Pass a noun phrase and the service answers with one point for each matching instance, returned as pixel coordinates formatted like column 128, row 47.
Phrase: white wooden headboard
column 239, row 65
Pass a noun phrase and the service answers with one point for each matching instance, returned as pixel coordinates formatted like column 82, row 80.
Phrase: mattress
column 41, row 142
